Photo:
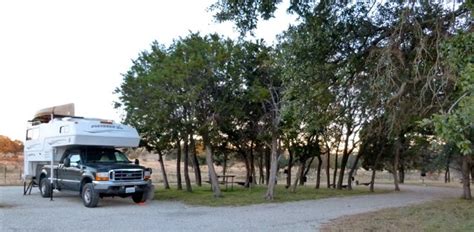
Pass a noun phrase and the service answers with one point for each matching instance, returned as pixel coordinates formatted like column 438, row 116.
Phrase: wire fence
column 12, row 175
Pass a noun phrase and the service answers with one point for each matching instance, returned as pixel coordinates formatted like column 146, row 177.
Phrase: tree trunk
column 178, row 165
column 268, row 164
column 163, row 171
column 447, row 175
column 288, row 170
column 465, row 177
column 197, row 169
column 374, row 168
column 210, row 164
column 308, row 167
column 273, row 169
column 401, row 174
column 224, row 166
column 472, row 171
column 395, row 164
column 260, row 168
column 186, row 165
column 345, row 158
column 297, row 177
column 252, row 166
column 318, row 173
column 247, row 169
column 372, row 179
column 302, row 177
column 335, row 171
column 350, row 176
column 328, row 166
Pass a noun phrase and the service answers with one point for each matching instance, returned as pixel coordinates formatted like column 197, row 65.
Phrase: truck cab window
column 101, row 155
column 75, row 159
column 120, row 157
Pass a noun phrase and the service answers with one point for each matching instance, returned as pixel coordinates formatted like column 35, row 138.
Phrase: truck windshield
column 105, row 156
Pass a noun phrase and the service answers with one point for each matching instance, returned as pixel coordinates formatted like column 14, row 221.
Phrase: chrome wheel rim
column 43, row 188
column 87, row 195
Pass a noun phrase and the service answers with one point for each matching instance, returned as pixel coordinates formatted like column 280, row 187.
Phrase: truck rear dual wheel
column 90, row 197
column 45, row 187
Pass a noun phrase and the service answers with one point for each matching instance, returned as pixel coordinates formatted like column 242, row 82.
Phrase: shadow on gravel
column 4, row 206
column 73, row 198
column 110, row 202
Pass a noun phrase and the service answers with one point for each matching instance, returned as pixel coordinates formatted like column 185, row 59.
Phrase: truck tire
column 150, row 192
column 45, row 187
column 90, row 197
column 139, row 197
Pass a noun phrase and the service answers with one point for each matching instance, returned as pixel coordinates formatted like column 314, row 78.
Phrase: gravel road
column 66, row 212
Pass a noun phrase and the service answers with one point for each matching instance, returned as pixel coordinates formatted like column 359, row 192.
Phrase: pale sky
column 58, row 52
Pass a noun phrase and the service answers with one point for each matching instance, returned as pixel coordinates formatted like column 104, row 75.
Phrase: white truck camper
column 55, row 134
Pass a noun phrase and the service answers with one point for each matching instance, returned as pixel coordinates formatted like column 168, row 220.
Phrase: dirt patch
column 442, row 215
column 368, row 222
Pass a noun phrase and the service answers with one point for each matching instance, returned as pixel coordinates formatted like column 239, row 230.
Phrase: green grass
column 241, row 196
column 442, row 215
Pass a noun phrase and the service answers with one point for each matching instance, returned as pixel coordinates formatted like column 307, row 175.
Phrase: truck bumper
column 113, row 188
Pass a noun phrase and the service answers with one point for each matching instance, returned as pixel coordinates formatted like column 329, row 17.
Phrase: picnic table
column 226, row 179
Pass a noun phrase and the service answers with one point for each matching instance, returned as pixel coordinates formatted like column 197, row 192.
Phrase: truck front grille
column 125, row 175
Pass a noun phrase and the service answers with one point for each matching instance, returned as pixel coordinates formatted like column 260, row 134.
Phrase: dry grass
column 442, row 215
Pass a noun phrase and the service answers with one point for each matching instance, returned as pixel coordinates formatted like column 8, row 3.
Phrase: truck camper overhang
column 92, row 132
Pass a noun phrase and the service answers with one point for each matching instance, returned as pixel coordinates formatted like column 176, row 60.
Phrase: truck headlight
column 102, row 176
column 146, row 174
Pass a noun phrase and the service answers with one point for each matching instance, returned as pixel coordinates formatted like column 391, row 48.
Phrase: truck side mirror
column 137, row 162
column 67, row 162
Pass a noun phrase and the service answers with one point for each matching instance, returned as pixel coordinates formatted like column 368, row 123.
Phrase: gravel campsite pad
column 67, row 213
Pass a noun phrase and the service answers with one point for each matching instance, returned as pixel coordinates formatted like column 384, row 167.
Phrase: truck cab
column 96, row 172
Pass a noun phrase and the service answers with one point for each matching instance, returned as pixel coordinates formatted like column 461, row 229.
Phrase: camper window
column 64, row 129
column 32, row 134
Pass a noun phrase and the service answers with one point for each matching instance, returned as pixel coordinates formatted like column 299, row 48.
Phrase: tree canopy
column 350, row 79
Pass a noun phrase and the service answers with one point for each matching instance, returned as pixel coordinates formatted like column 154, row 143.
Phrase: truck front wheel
column 90, row 197
column 139, row 197
column 45, row 187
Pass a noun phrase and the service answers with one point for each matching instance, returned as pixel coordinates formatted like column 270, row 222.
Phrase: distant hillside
column 10, row 146
column 11, row 152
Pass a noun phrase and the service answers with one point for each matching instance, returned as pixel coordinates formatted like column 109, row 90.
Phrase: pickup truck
column 96, row 172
